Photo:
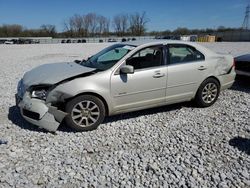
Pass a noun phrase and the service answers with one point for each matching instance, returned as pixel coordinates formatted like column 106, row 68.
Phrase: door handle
column 201, row 68
column 158, row 75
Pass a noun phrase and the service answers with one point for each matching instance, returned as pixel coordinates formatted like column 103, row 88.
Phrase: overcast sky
column 163, row 14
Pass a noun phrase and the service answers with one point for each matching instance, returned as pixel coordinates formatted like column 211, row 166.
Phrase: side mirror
column 127, row 69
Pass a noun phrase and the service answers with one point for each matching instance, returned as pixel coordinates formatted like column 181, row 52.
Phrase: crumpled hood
column 53, row 73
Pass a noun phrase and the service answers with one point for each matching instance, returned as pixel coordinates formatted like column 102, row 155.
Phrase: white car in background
column 8, row 42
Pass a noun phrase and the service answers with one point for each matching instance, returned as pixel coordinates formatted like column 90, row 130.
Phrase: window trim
column 185, row 62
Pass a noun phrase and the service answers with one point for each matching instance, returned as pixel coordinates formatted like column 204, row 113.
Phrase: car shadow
column 242, row 83
column 14, row 115
column 16, row 118
column 242, row 144
column 149, row 111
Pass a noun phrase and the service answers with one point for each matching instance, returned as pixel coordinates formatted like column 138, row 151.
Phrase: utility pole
column 245, row 24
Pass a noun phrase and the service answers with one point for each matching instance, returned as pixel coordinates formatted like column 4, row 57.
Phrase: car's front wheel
column 208, row 93
column 85, row 113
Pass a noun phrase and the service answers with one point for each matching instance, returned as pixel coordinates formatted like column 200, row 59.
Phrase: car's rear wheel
column 85, row 113
column 208, row 93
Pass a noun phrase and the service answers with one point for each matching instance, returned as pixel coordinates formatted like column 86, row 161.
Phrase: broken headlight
column 39, row 94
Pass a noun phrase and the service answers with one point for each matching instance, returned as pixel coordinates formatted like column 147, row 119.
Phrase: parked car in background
column 191, row 38
column 36, row 42
column 27, row 41
column 9, row 42
column 2, row 41
column 123, row 77
column 242, row 65
column 112, row 40
column 169, row 37
column 79, row 41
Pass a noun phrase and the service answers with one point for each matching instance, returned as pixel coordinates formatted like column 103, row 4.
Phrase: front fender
column 98, row 84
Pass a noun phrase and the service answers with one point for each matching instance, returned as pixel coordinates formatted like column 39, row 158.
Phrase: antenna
column 245, row 24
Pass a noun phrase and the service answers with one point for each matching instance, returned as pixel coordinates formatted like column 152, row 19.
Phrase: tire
column 207, row 93
column 85, row 113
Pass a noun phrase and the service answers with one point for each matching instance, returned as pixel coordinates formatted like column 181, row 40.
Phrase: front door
column 146, row 86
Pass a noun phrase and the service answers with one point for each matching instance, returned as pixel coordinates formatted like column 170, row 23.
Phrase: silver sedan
column 122, row 78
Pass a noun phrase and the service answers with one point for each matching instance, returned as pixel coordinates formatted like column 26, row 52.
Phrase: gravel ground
column 173, row 146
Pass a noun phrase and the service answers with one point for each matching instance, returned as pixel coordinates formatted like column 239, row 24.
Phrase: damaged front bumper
column 38, row 113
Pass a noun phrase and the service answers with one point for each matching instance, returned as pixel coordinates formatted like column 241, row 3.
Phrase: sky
column 163, row 14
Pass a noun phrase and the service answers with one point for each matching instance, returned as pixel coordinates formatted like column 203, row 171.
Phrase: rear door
column 186, row 68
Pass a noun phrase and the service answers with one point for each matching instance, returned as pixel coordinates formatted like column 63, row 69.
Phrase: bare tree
column 120, row 23
column 86, row 25
column 49, row 30
column 106, row 27
column 103, row 25
column 77, row 24
column 68, row 28
column 48, row 27
column 138, row 23
column 90, row 22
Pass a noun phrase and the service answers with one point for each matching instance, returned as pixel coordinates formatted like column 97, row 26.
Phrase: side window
column 147, row 57
column 183, row 53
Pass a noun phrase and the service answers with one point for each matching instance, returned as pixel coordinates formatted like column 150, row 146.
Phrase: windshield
column 108, row 57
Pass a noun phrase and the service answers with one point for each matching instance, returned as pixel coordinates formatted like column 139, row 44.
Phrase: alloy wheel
column 85, row 113
column 209, row 93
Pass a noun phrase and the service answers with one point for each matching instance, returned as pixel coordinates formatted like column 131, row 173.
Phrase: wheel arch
column 198, row 96
column 213, row 77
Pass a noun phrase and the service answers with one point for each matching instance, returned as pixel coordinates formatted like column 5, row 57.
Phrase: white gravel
column 173, row 146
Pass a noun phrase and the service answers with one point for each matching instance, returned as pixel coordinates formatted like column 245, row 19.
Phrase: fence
column 233, row 36
column 229, row 36
column 50, row 40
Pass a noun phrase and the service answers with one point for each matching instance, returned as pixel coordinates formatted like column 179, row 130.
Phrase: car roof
column 155, row 42
column 149, row 42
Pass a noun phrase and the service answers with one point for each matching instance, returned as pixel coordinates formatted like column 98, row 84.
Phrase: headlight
column 40, row 94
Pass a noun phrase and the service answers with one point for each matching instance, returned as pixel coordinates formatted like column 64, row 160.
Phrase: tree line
column 92, row 24
column 16, row 30
column 186, row 31
column 95, row 25
column 89, row 25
